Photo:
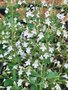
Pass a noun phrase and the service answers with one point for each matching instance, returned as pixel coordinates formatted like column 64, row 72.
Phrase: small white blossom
column 25, row 44
column 28, row 72
column 1, row 56
column 65, row 33
column 6, row 11
column 35, row 64
column 48, row 22
column 46, row 55
column 67, row 84
column 45, row 85
column 20, row 72
column 60, row 16
column 58, row 33
column 47, row 14
column 65, row 1
column 26, row 84
column 65, row 76
column 28, row 62
column 57, row 87
column 28, row 50
column 40, row 36
column 29, row 13
column 51, row 49
column 8, row 87
column 66, row 65
column 20, row 2
column 19, row 82
column 43, row 47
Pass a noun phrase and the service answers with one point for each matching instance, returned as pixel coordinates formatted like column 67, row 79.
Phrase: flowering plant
column 33, row 47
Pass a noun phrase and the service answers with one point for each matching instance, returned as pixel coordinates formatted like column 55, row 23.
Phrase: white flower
column 65, row 33
column 19, row 2
column 47, row 14
column 60, row 16
column 35, row 64
column 19, row 82
column 5, row 63
column 48, row 22
column 29, row 13
column 20, row 72
column 46, row 55
column 41, row 57
column 1, row 56
column 8, row 87
column 10, row 48
column 15, row 19
column 65, row 1
column 28, row 62
column 67, row 84
column 15, row 67
column 9, row 24
column 26, row 84
column 43, row 2
column 58, row 33
column 51, row 49
column 6, row 11
column 58, row 44
column 25, row 44
column 65, row 76
column 57, row 87
column 28, row 50
column 10, row 57
column 45, row 85
column 43, row 47
column 40, row 36
column 66, row 65
column 28, row 72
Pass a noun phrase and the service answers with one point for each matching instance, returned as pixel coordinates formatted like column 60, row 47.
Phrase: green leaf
column 32, row 80
column 47, row 61
column 32, row 87
column 52, row 75
column 8, row 82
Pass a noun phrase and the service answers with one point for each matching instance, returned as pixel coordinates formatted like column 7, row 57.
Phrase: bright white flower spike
column 19, row 82
column 27, row 62
column 45, row 85
column 46, row 55
column 20, row 2
column 65, row 33
column 8, row 87
column 65, row 76
column 29, row 13
column 26, row 84
column 6, row 11
column 47, row 14
column 28, row 50
column 65, row 1
column 28, row 72
column 20, row 72
column 58, row 33
column 51, row 49
column 60, row 16
column 43, row 47
column 48, row 22
column 57, row 87
column 67, row 84
column 66, row 65
column 25, row 44
column 35, row 64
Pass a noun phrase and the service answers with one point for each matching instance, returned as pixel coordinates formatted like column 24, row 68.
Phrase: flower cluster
column 33, row 48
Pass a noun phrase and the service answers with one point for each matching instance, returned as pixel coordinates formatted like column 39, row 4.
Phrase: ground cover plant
column 33, row 45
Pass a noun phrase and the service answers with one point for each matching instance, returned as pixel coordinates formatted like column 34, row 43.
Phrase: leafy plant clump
column 33, row 47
